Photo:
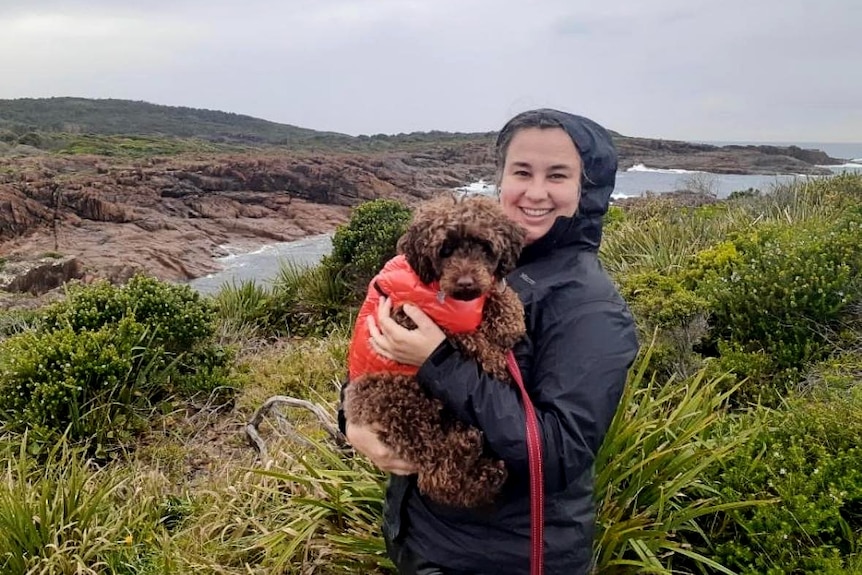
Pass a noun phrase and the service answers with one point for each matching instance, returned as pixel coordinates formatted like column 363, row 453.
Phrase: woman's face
column 541, row 179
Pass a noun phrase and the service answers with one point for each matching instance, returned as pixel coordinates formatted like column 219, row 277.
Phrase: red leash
column 537, row 483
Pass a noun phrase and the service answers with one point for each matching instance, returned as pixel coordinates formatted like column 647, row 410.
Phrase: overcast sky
column 763, row 70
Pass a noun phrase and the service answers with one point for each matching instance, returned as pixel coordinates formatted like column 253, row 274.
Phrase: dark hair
column 543, row 118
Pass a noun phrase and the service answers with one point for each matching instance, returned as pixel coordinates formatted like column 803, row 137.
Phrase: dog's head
column 468, row 245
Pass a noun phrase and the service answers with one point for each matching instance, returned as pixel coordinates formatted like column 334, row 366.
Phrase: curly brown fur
column 468, row 246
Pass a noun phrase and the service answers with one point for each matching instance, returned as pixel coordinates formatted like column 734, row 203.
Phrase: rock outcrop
column 39, row 276
column 765, row 160
column 171, row 216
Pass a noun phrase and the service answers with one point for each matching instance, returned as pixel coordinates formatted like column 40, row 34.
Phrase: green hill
column 111, row 127
column 122, row 117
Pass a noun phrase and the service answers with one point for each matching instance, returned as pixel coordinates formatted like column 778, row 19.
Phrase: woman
column 556, row 172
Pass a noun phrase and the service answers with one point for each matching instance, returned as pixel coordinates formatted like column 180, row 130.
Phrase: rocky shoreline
column 756, row 160
column 170, row 216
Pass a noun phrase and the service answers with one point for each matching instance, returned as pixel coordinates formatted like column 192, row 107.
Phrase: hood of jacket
column 599, row 158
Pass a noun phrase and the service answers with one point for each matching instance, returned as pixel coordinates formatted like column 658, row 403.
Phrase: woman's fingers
column 376, row 339
column 385, row 324
column 397, row 343
column 397, row 466
column 420, row 318
column 373, row 330
column 365, row 440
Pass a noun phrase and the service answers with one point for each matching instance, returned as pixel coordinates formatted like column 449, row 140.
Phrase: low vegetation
column 82, row 125
column 735, row 450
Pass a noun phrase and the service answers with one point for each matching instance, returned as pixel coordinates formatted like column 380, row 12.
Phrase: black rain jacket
column 581, row 341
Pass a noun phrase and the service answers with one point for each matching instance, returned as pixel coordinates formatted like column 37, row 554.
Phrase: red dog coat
column 398, row 281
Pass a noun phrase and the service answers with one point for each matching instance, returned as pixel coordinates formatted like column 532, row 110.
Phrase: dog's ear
column 414, row 245
column 511, row 238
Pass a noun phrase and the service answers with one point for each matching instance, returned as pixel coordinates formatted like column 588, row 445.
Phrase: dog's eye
column 488, row 250
column 446, row 250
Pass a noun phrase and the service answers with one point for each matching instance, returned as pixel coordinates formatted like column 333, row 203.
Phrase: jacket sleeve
column 579, row 363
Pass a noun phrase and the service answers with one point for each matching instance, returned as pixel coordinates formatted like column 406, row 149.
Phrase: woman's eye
column 522, row 173
column 557, row 176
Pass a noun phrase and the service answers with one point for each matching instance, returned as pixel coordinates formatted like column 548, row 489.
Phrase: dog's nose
column 465, row 282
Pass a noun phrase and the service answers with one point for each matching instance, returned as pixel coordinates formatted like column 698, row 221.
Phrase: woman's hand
column 364, row 439
column 407, row 346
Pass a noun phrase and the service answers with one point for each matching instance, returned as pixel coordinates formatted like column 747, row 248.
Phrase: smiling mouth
column 533, row 213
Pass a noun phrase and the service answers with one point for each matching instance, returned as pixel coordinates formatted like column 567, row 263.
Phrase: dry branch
column 271, row 407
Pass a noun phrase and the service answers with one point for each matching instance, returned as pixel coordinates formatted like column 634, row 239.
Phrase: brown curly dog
column 469, row 246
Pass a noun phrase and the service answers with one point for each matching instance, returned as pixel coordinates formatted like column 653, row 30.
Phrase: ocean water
column 262, row 265
column 639, row 180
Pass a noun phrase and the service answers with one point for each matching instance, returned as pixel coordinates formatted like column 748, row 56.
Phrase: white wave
column 643, row 168
column 480, row 187
column 302, row 242
column 855, row 164
column 235, row 254
column 228, row 252
column 620, row 196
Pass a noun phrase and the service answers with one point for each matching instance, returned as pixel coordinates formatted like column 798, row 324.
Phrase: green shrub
column 613, row 218
column 806, row 199
column 781, row 289
column 205, row 372
column 308, row 301
column 177, row 315
column 89, row 382
column 103, row 357
column 334, row 514
column 661, row 300
column 663, row 242
column 180, row 322
column 360, row 248
column 31, row 139
column 711, row 263
column 839, row 373
column 243, row 308
column 760, row 381
column 649, row 472
column 808, row 456
column 661, row 304
column 314, row 300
